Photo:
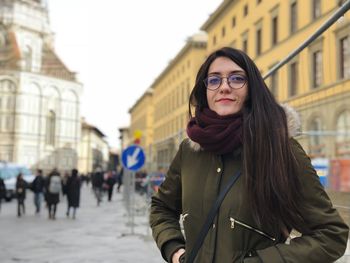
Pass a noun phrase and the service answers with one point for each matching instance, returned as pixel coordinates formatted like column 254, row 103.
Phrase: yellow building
column 316, row 82
column 161, row 114
column 170, row 99
column 142, row 115
column 93, row 149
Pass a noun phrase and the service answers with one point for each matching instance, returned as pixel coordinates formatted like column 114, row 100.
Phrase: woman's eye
column 237, row 78
column 213, row 80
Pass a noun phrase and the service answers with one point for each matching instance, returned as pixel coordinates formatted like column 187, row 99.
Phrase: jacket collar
column 293, row 122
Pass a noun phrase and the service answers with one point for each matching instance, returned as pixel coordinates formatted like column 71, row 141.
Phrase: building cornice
column 216, row 15
column 196, row 41
column 147, row 93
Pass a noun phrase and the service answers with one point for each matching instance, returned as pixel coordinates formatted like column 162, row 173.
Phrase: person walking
column 37, row 186
column 73, row 185
column 53, row 190
column 21, row 186
column 2, row 191
column 110, row 182
column 120, row 178
column 240, row 148
column 97, row 184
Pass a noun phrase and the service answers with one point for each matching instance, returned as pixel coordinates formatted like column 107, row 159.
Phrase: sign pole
column 132, row 193
column 133, row 158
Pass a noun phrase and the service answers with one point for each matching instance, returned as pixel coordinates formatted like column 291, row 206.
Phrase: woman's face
column 226, row 100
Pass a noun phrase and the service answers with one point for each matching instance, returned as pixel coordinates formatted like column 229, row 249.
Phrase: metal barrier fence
column 138, row 189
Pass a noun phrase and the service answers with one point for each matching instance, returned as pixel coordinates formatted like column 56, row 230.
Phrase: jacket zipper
column 183, row 217
column 235, row 221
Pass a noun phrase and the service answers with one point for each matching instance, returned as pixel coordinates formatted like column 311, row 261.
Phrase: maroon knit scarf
column 215, row 133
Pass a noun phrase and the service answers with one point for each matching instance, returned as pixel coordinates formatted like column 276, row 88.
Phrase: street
column 98, row 234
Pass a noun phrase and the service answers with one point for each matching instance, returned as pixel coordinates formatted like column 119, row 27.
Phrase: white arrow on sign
column 132, row 159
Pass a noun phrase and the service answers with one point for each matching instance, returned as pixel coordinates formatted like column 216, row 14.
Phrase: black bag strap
column 212, row 213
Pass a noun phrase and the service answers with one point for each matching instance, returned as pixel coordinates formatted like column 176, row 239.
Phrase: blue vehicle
column 9, row 173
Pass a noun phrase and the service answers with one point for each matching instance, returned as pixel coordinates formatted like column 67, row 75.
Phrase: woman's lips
column 225, row 100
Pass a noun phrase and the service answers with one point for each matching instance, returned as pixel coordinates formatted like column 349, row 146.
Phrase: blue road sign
column 133, row 158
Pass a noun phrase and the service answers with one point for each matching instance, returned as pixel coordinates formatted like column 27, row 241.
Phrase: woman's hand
column 177, row 255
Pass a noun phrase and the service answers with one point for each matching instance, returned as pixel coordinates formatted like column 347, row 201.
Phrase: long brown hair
column 268, row 161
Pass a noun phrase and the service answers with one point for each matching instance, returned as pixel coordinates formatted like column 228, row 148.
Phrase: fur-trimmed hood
column 293, row 122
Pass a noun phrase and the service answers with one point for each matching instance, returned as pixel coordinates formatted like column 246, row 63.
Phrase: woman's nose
column 224, row 85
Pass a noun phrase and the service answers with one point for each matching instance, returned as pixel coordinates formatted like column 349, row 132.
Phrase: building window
column 244, row 38
column 233, row 21
column 214, row 40
column 343, row 136
column 223, row 31
column 315, row 142
column 245, row 10
column 293, row 17
column 344, row 46
column 274, row 84
column 245, row 45
column 27, row 59
column 258, row 41
column 2, row 39
column 50, row 128
column 317, row 68
column 10, row 103
column 293, row 79
column 258, row 2
column 8, row 123
column 274, row 30
column 316, row 9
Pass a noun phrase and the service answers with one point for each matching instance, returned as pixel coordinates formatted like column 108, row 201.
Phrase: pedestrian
column 21, row 186
column 110, row 182
column 37, row 186
column 240, row 135
column 97, row 184
column 53, row 190
column 64, row 183
column 2, row 191
column 120, row 179
column 73, row 192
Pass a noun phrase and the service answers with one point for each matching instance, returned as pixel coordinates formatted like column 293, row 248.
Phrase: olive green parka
column 192, row 185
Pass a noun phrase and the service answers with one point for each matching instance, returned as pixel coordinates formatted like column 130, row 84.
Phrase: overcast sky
column 119, row 47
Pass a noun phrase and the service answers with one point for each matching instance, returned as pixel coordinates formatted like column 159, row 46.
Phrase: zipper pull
column 232, row 222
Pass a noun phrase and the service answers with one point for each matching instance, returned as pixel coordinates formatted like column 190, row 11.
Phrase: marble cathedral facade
column 39, row 96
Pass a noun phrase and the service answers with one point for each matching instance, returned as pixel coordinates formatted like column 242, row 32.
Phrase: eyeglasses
column 235, row 81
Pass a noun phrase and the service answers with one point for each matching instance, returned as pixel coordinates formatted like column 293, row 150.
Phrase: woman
column 53, row 190
column 73, row 192
column 21, row 186
column 239, row 126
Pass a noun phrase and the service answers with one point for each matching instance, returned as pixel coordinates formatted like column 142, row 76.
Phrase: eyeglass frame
column 227, row 81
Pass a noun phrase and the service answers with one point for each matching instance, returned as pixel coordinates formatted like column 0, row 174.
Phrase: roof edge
column 213, row 17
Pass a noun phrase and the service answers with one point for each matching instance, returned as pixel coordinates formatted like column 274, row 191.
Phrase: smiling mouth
column 226, row 100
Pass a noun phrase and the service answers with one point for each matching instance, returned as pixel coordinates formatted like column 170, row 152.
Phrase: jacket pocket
column 237, row 223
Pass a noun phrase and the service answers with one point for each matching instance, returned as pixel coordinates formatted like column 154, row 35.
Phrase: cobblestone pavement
column 99, row 234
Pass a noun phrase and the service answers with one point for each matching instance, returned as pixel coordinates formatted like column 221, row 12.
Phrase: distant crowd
column 53, row 186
